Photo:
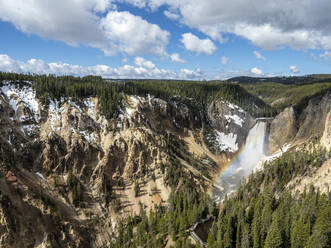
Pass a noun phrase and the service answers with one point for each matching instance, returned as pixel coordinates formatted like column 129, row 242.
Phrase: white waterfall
column 244, row 163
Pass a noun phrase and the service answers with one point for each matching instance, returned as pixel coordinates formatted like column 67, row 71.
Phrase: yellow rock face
column 326, row 138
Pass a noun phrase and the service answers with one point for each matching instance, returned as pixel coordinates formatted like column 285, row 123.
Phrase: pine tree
column 245, row 238
column 321, row 236
column 299, row 235
column 274, row 237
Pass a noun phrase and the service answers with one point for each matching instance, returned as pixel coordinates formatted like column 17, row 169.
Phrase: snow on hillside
column 54, row 114
column 235, row 118
column 89, row 137
column 226, row 142
column 91, row 108
column 236, row 107
column 25, row 95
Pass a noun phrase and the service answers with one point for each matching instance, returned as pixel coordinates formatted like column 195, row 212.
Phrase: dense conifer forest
column 263, row 212
column 196, row 95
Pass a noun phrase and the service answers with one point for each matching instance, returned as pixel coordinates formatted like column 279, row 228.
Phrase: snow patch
column 90, row 137
column 227, row 142
column 237, row 120
column 25, row 95
column 27, row 129
column 54, row 113
column 89, row 103
column 134, row 99
column 236, row 107
column 72, row 103
column 129, row 111
column 91, row 109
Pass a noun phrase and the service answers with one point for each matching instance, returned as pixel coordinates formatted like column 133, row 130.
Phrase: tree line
column 196, row 95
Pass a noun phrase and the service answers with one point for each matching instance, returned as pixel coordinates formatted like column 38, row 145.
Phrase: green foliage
column 254, row 217
column 184, row 209
column 196, row 95
column 284, row 95
column 321, row 235
column 274, row 238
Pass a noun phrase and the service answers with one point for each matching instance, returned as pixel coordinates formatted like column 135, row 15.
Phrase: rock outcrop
column 326, row 138
column 295, row 128
column 68, row 175
column 74, row 171
column 311, row 121
column 230, row 119
column 282, row 129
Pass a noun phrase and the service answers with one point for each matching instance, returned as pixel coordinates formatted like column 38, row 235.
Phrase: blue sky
column 188, row 39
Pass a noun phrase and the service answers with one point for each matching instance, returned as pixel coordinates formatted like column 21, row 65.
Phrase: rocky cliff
column 326, row 138
column 296, row 127
column 282, row 129
column 68, row 174
column 231, row 119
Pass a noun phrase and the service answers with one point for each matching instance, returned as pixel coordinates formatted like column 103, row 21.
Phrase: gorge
column 95, row 163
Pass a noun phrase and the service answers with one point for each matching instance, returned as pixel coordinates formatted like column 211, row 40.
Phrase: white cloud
column 133, row 35
column 257, row 71
column 176, row 58
column 193, row 43
column 144, row 69
column 171, row 15
column 258, row 55
column 294, row 69
column 224, row 60
column 139, row 61
column 94, row 23
column 268, row 24
column 265, row 23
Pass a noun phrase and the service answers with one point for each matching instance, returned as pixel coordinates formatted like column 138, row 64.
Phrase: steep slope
column 284, row 204
column 86, row 163
column 326, row 138
column 76, row 173
column 297, row 125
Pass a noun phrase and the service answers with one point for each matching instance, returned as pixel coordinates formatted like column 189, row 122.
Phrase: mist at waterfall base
column 244, row 163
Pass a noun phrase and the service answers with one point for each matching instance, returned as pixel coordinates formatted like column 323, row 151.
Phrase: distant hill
column 308, row 79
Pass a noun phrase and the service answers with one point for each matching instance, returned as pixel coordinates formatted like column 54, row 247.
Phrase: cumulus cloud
column 258, row 55
column 268, row 24
column 175, row 57
column 224, row 60
column 133, row 35
column 171, row 15
column 144, row 63
column 95, row 23
column 256, row 71
column 194, row 44
column 143, row 69
column 294, row 69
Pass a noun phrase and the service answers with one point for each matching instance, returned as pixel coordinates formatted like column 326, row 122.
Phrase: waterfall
column 244, row 163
